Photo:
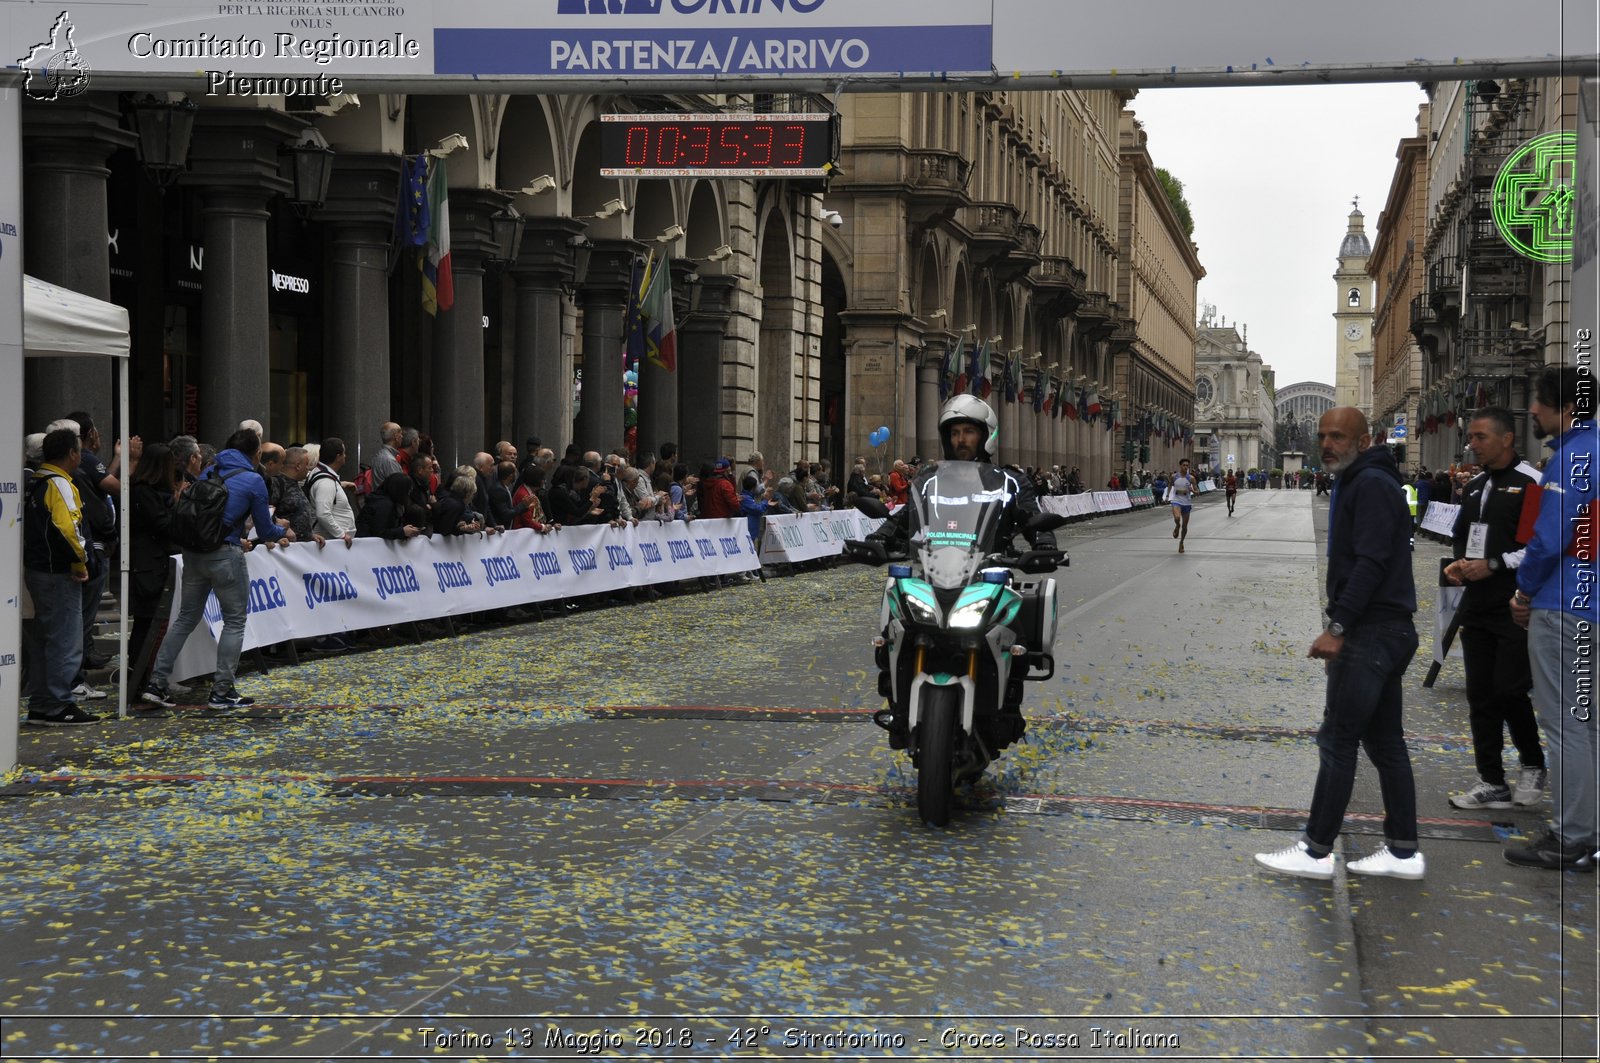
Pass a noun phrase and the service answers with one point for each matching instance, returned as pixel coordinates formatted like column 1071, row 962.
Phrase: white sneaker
column 1483, row 795
column 1383, row 862
column 85, row 692
column 1530, row 787
column 1297, row 860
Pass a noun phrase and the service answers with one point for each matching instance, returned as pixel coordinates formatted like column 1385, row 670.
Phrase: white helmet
column 968, row 407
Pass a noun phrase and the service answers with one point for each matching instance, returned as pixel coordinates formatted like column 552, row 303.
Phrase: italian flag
column 438, row 285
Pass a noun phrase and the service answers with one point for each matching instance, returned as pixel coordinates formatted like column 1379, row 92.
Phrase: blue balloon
column 877, row 438
column 883, row 430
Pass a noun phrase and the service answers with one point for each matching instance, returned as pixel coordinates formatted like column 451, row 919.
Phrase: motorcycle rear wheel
column 936, row 753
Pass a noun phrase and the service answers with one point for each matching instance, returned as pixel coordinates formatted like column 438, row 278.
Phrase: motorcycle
column 958, row 641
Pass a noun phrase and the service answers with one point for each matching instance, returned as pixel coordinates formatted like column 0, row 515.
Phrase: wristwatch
column 1336, row 629
column 1495, row 564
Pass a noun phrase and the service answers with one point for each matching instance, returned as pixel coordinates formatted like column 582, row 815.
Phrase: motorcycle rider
column 968, row 431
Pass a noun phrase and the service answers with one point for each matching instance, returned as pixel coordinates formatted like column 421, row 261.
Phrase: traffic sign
column 1400, row 420
column 1397, row 432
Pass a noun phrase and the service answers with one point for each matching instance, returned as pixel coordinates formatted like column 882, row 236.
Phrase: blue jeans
column 1561, row 648
column 223, row 572
column 1363, row 710
column 55, row 640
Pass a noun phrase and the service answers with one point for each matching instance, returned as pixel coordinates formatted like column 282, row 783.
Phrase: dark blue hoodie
column 247, row 497
column 1369, row 543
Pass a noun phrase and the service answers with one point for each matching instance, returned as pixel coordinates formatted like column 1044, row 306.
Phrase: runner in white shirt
column 1181, row 495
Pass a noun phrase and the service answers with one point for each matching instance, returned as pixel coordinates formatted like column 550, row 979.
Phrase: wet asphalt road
column 670, row 830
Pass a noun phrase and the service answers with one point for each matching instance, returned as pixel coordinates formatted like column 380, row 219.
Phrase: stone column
column 233, row 160
column 700, row 365
column 604, row 295
column 903, row 444
column 928, row 371
column 65, row 241
column 359, row 213
column 541, row 396
column 459, row 396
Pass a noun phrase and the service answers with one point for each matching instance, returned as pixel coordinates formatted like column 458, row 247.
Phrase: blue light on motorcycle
column 899, row 571
column 1001, row 576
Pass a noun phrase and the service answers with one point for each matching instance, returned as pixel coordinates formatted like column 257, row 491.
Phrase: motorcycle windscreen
column 959, row 505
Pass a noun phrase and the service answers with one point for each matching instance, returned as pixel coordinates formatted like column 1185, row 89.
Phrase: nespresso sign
column 281, row 282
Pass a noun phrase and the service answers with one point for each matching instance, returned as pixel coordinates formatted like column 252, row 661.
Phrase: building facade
column 1352, row 317
column 1492, row 317
column 1235, row 412
column 1399, row 279
column 311, row 321
column 809, row 312
column 1158, row 275
column 993, row 221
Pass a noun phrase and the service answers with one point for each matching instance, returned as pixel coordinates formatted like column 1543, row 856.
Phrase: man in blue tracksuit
column 1556, row 599
column 223, row 571
column 1368, row 642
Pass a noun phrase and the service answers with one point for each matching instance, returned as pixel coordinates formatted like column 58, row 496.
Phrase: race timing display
column 716, row 145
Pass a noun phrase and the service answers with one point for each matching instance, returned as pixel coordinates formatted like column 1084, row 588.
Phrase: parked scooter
column 959, row 639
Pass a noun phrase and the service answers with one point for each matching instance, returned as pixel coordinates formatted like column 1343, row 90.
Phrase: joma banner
column 300, row 591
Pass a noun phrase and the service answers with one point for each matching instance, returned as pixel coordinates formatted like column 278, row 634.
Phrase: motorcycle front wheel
column 936, row 752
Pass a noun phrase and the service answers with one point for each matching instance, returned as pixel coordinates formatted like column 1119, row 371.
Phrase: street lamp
column 507, row 226
column 307, row 164
column 164, row 127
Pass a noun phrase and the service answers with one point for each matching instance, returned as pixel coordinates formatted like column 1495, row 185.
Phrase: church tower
column 1352, row 317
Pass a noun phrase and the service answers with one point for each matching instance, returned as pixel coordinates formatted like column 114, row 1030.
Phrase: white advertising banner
column 1111, row 501
column 11, row 485
column 790, row 537
column 300, row 591
column 1031, row 44
column 1268, row 41
column 1440, row 518
column 1074, row 506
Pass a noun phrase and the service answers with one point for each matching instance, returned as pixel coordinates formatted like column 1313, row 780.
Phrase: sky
column 1269, row 174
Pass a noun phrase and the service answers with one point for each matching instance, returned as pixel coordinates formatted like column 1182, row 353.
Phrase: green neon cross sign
column 1533, row 197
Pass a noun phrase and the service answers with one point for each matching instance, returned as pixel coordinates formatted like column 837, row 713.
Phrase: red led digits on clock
column 668, row 152
column 699, row 145
column 729, row 145
column 761, row 146
column 794, row 145
column 636, row 150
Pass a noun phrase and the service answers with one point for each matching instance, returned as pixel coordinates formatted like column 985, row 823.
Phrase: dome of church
column 1355, row 243
column 1355, row 246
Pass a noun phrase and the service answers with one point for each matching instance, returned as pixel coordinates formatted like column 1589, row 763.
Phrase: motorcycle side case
column 1036, row 622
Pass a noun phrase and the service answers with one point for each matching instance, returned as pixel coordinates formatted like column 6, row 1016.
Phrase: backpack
column 364, row 483
column 197, row 515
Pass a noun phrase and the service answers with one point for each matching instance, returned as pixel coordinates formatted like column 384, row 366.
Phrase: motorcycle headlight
column 921, row 611
column 970, row 615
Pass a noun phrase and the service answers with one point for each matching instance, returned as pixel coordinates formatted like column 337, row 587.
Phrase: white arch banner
column 786, row 43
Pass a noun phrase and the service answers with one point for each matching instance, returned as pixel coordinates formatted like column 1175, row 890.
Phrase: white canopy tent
column 60, row 323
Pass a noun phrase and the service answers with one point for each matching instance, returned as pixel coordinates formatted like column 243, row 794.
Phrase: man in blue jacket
column 223, row 571
column 1556, row 601
column 1368, row 642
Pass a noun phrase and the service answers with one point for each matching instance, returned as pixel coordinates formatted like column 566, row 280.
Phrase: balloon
column 878, row 437
column 883, row 430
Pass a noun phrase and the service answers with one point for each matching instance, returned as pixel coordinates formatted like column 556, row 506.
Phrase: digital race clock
column 716, row 145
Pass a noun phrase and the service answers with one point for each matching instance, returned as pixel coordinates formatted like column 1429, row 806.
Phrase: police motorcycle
column 960, row 631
